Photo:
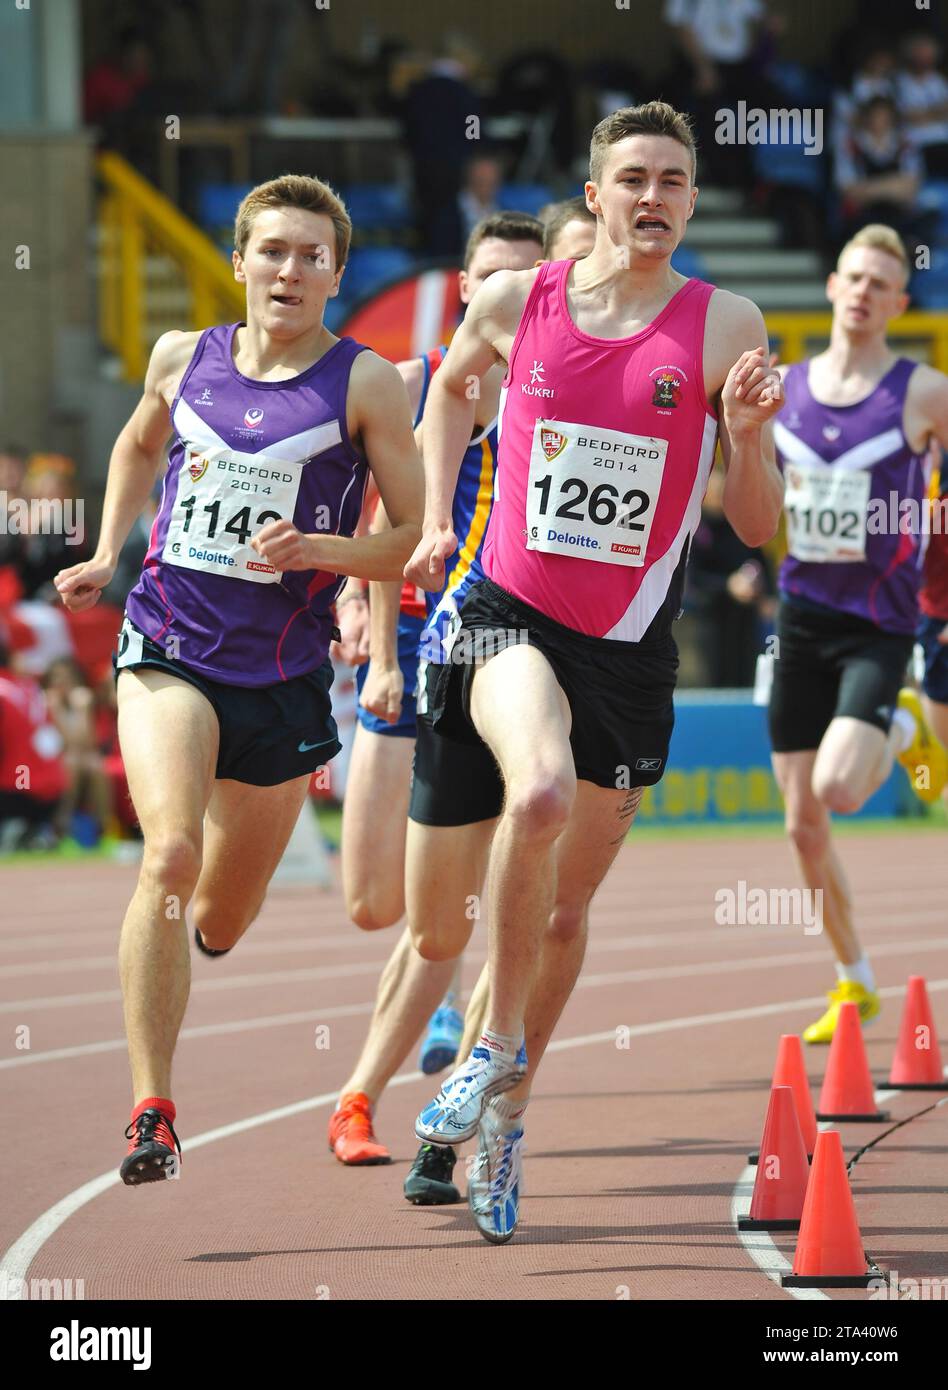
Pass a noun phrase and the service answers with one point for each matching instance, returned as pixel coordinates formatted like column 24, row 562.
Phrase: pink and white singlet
column 605, row 450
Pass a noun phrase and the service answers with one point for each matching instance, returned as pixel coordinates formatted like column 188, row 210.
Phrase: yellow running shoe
column 846, row 992
column 924, row 752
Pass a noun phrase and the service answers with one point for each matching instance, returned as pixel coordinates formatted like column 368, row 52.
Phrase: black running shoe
column 151, row 1153
column 208, row 950
column 429, row 1180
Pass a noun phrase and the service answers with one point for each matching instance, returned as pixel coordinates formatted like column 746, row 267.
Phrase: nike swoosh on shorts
column 308, row 747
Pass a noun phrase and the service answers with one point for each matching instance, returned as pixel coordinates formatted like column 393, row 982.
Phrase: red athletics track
column 633, row 1153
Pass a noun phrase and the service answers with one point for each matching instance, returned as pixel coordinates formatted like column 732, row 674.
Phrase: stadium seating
column 688, row 262
column 523, row 197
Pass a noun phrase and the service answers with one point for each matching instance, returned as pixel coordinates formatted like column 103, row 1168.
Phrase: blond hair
column 294, row 191
column 652, row 118
column 878, row 237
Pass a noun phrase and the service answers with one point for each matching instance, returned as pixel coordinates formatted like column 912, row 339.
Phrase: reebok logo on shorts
column 649, row 764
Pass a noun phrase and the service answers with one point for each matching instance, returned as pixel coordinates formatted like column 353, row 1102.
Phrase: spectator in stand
column 112, row 87
column 33, row 776
column 51, row 478
column 879, row 174
column 441, row 115
column 12, row 474
column 874, row 77
column 717, row 41
column 923, row 101
column 730, row 589
column 478, row 197
column 72, row 706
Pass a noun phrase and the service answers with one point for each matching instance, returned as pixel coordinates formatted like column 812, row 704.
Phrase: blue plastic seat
column 372, row 266
column 789, row 166
column 218, row 204
column 523, row 197
column 688, row 262
column 376, row 207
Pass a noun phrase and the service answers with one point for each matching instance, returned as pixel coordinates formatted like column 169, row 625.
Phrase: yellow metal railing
column 798, row 335
column 156, row 269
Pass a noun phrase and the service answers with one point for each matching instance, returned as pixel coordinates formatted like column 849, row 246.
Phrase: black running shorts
column 453, row 782
column 619, row 693
column 830, row 664
column 268, row 733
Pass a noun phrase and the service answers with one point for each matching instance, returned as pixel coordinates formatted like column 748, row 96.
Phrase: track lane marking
column 17, row 1259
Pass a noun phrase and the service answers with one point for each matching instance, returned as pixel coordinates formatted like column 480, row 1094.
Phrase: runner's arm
column 451, row 405
column 378, row 417
column 930, row 388
column 451, row 410
column 384, row 605
column 136, row 460
column 748, row 398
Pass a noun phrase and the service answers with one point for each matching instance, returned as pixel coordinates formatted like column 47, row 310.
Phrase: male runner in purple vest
column 223, row 669
column 852, row 440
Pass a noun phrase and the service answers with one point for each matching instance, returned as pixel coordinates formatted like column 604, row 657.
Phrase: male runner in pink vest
column 620, row 374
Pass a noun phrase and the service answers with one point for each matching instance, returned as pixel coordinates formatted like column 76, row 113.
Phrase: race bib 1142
column 223, row 499
column 593, row 492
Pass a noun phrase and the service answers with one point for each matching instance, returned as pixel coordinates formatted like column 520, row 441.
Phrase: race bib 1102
column 826, row 512
column 593, row 492
column 223, row 499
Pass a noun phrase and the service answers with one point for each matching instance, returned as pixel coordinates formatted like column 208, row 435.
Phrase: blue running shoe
column 440, row 1047
column 493, row 1187
column 454, row 1113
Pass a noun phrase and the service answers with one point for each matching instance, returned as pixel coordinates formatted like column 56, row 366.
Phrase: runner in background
column 932, row 634
column 852, row 440
column 373, row 843
column 569, row 229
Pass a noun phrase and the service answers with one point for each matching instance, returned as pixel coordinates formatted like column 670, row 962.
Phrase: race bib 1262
column 593, row 492
column 223, row 499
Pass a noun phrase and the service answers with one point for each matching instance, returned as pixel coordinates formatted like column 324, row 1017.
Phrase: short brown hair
column 294, row 191
column 878, row 237
column 556, row 216
column 508, row 226
column 652, row 118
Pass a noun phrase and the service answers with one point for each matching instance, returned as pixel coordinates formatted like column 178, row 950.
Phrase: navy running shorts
column 268, row 733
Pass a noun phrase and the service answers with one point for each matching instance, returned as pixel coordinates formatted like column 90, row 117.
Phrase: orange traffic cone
column 917, row 1062
column 789, row 1070
column 780, row 1185
column 847, row 1092
column 829, row 1248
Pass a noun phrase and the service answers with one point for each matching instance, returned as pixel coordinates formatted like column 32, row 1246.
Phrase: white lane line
column 683, row 911
column 710, row 934
column 729, row 967
column 475, row 955
column 248, row 1025
column 207, row 1030
column 16, row 1261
